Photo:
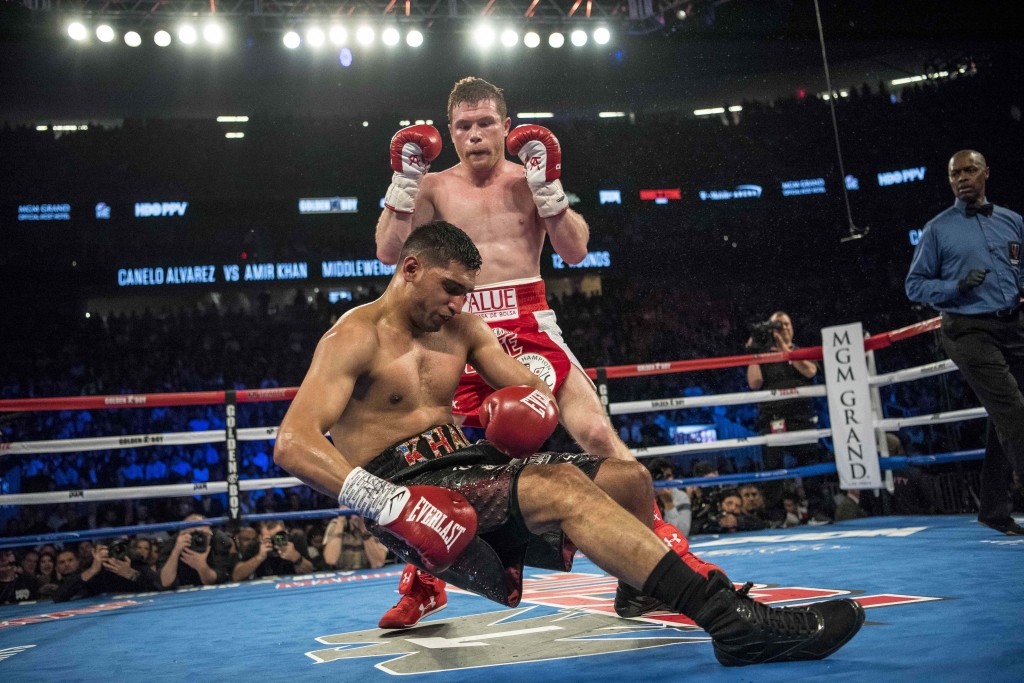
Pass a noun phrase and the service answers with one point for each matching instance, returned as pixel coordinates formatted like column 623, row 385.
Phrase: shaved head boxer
column 508, row 210
column 381, row 383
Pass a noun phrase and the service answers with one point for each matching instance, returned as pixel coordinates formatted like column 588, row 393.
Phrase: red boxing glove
column 412, row 150
column 518, row 420
column 437, row 522
column 538, row 149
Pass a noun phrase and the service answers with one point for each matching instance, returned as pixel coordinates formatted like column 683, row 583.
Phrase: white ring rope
column 139, row 492
column 894, row 424
column 738, row 398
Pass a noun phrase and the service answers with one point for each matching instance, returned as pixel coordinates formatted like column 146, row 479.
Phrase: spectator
column 112, row 570
column 30, row 563
column 793, row 513
column 674, row 503
column 753, row 504
column 731, row 517
column 46, row 579
column 15, row 586
column 274, row 553
column 849, row 506
column 197, row 556
column 84, row 552
column 348, row 545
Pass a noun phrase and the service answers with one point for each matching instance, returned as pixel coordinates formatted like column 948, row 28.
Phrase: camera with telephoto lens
column 199, row 542
column 118, row 549
column 762, row 336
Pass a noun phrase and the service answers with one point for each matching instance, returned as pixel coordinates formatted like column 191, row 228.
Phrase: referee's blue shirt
column 952, row 244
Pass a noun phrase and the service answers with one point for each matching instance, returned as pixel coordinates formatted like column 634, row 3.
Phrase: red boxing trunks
column 492, row 564
column 517, row 311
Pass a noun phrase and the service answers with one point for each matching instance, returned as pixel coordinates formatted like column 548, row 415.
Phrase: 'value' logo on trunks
column 426, row 514
column 493, row 304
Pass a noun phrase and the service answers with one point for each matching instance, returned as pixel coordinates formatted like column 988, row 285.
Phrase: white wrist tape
column 550, row 199
column 372, row 497
column 401, row 196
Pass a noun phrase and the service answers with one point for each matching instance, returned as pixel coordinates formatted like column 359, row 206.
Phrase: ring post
column 231, row 452
column 602, row 390
column 876, row 409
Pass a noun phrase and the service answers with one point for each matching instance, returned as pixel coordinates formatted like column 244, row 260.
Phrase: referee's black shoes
column 1004, row 526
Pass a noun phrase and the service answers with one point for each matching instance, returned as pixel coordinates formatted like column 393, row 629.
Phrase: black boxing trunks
column 492, row 564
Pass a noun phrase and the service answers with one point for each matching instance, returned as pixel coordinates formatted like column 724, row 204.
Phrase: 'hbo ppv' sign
column 849, row 407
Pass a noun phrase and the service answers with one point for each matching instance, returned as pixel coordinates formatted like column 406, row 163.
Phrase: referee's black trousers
column 990, row 355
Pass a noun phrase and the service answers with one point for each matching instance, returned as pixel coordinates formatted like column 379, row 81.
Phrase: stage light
column 315, row 37
column 531, row 39
column 213, row 34
column 708, row 112
column 234, row 136
column 365, row 124
column 405, row 122
column 611, row 114
column 162, row 38
column 578, row 38
column 345, row 57
column 292, row 40
column 187, row 34
column 365, row 35
column 535, row 115
column 414, row 38
column 390, row 36
column 77, row 31
column 104, row 33
column 509, row 38
column 232, row 119
column 602, row 36
column 338, row 35
column 483, row 36
column 556, row 40
column 681, row 14
column 735, row 107
column 132, row 39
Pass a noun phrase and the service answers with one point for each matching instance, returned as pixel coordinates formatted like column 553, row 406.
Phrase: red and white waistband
column 507, row 300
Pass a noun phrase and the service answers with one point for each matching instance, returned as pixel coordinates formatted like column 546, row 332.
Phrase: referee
column 967, row 265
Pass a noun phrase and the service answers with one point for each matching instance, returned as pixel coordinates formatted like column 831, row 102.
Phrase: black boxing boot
column 745, row 631
column 631, row 603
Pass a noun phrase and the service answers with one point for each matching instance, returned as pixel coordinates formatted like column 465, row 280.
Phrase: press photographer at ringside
column 775, row 417
column 275, row 553
column 198, row 556
column 113, row 569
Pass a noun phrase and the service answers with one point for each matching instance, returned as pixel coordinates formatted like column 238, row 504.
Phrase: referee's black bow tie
column 984, row 210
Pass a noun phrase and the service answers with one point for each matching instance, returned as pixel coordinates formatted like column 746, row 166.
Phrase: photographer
column 113, row 570
column 274, row 553
column 348, row 545
column 198, row 556
column 794, row 415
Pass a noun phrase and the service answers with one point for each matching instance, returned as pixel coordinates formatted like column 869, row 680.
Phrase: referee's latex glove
column 974, row 278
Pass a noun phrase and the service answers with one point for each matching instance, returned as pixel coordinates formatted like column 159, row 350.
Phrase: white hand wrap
column 401, row 196
column 550, row 199
column 372, row 497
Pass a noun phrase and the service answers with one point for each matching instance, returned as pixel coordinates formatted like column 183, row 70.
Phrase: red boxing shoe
column 422, row 595
column 678, row 543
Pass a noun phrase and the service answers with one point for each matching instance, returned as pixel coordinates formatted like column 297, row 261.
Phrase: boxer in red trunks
column 508, row 216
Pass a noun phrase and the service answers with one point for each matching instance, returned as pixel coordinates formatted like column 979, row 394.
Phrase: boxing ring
column 941, row 594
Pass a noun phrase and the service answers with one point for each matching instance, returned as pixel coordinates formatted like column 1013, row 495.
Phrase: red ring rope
column 197, row 398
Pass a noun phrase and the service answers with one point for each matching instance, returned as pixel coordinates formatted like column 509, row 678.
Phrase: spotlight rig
column 385, row 24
